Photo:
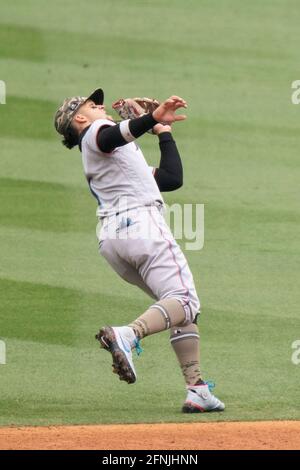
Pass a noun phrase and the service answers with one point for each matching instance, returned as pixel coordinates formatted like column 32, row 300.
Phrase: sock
column 160, row 316
column 185, row 341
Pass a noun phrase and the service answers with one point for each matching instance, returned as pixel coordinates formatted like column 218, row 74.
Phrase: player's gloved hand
column 165, row 112
column 131, row 108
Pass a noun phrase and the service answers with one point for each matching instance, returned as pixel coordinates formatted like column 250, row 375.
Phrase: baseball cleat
column 200, row 400
column 119, row 341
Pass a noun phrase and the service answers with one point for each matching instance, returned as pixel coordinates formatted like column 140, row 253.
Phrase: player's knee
column 190, row 305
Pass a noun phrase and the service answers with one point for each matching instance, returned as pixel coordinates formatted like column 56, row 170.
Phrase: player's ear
column 80, row 118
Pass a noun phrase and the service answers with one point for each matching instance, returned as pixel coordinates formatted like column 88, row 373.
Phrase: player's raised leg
column 120, row 341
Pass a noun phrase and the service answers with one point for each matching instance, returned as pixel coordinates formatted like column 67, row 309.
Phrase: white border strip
column 124, row 129
column 188, row 335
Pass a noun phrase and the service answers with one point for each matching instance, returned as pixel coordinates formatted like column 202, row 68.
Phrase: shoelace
column 138, row 347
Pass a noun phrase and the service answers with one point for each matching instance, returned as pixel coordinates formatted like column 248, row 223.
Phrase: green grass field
column 234, row 63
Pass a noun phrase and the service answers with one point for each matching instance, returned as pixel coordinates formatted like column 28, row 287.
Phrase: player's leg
column 121, row 340
column 153, row 320
column 125, row 270
column 164, row 270
column 185, row 341
column 175, row 280
column 138, row 261
column 145, row 260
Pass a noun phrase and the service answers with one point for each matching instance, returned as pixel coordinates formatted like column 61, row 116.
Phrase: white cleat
column 120, row 341
column 200, row 400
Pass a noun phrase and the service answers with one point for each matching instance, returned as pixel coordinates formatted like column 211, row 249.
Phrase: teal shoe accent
column 138, row 347
column 211, row 385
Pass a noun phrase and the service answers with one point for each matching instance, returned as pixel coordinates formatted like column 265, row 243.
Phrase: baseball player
column 133, row 235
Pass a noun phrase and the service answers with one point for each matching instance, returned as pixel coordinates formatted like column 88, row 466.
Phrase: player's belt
column 106, row 219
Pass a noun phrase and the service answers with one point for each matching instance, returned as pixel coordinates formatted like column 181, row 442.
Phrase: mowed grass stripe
column 231, row 17
column 60, row 260
column 56, row 315
column 38, row 44
column 28, row 118
column 42, row 161
column 50, row 207
column 22, row 42
column 37, row 312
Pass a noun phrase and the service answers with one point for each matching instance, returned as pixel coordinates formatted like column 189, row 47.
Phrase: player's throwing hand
column 166, row 110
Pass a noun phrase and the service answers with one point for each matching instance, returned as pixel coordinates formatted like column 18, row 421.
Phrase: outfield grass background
column 234, row 63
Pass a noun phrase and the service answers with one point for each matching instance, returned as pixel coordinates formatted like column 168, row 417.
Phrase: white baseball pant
column 139, row 246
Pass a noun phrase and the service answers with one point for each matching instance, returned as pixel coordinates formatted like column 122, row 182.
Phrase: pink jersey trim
column 174, row 258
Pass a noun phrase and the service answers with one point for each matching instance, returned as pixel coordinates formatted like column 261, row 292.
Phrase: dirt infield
column 256, row 435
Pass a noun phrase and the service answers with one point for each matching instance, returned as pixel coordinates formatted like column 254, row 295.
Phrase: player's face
column 88, row 113
column 93, row 111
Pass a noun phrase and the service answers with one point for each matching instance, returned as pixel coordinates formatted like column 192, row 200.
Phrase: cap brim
column 97, row 96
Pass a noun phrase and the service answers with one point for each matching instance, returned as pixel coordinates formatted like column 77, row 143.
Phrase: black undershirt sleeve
column 110, row 137
column 169, row 175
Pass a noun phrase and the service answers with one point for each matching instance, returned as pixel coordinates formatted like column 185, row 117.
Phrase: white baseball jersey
column 120, row 180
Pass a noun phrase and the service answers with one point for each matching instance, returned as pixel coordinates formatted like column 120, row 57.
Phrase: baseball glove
column 131, row 108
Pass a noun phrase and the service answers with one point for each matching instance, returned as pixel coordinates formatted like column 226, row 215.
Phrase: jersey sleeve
column 92, row 134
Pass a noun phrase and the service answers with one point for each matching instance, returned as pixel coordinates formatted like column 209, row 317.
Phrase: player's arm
column 108, row 138
column 169, row 174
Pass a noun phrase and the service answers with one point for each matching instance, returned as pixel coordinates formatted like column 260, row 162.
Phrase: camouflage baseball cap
column 70, row 106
